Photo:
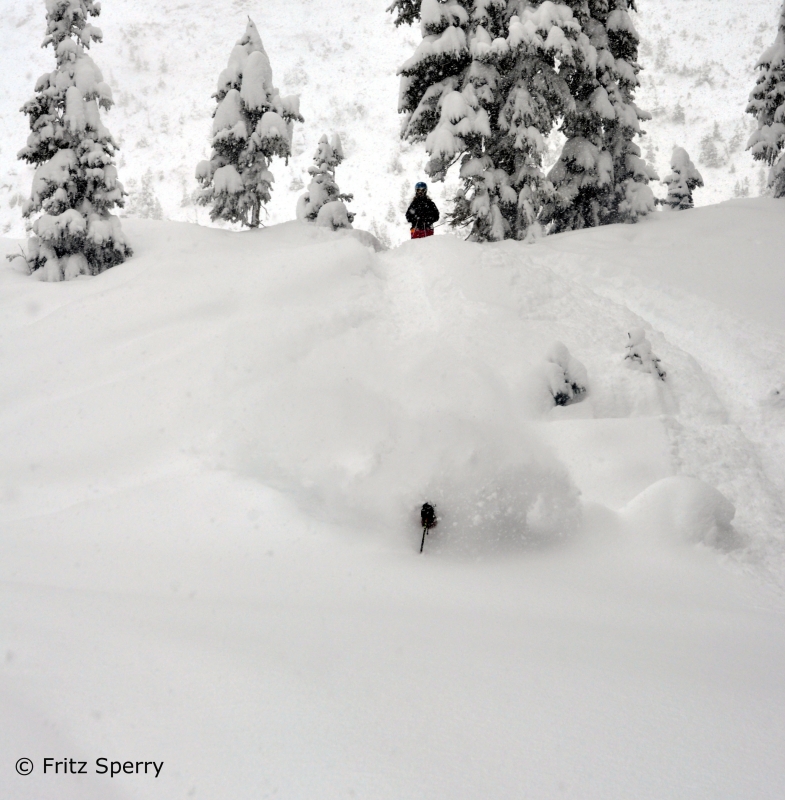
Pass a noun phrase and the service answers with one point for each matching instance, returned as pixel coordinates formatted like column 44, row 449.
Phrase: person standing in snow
column 422, row 212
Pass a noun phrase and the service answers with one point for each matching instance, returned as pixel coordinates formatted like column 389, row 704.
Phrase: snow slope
column 162, row 62
column 211, row 461
column 712, row 281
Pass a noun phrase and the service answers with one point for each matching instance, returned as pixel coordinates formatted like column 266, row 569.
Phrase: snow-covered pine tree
column 324, row 203
column 516, row 78
column 75, row 183
column 251, row 124
column 600, row 176
column 632, row 197
column 406, row 11
column 640, row 355
column 682, row 181
column 484, row 88
column 767, row 105
column 144, row 202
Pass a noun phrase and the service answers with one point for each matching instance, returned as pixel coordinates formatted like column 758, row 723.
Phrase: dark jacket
column 422, row 213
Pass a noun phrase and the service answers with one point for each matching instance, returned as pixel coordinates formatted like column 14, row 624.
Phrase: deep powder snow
column 211, row 465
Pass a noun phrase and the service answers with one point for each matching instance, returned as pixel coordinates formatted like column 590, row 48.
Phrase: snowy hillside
column 212, row 459
column 163, row 60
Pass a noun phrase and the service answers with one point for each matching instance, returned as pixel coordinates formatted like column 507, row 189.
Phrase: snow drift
column 360, row 384
column 683, row 509
column 212, row 460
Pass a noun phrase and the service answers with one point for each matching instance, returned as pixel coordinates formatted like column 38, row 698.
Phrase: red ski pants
column 416, row 234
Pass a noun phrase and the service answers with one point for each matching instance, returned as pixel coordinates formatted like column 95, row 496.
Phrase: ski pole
column 428, row 520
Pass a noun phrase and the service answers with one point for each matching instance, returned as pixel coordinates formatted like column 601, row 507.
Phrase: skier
column 422, row 212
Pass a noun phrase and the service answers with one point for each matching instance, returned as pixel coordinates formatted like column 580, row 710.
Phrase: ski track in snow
column 732, row 435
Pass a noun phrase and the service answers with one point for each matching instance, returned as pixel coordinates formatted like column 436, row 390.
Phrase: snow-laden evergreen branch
column 406, row 11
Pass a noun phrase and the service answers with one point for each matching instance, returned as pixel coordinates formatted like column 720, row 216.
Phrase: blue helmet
column 420, row 185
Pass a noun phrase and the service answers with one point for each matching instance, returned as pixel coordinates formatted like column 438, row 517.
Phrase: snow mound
column 365, row 238
column 362, row 429
column 683, row 509
column 493, row 509
column 495, row 490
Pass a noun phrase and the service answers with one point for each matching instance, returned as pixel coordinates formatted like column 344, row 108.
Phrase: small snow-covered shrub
column 334, row 215
column 640, row 356
column 324, row 203
column 567, row 378
column 682, row 181
column 251, row 124
column 75, row 184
